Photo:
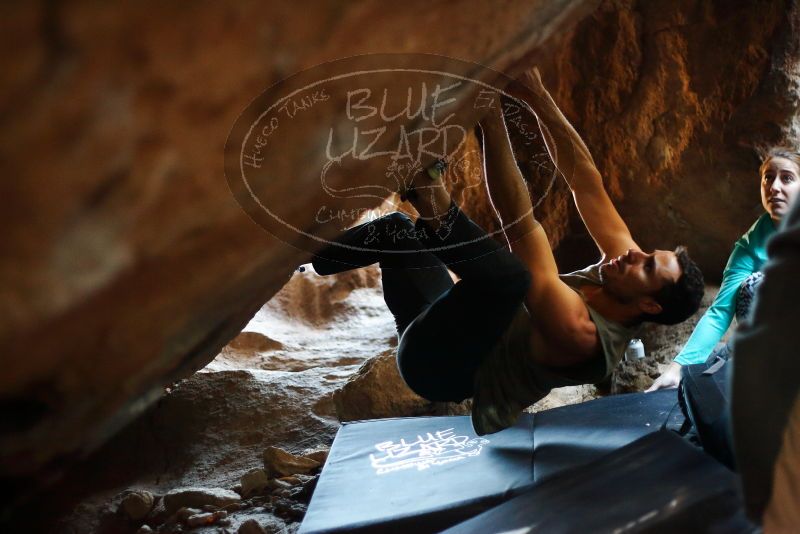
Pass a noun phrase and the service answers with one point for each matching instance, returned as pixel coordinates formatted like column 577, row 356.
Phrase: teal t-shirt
column 749, row 254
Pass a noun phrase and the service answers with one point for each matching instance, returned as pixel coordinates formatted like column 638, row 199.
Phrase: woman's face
column 780, row 184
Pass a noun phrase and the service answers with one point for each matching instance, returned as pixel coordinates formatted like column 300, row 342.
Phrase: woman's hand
column 668, row 379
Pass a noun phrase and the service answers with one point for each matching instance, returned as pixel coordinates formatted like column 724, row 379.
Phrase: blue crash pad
column 659, row 483
column 429, row 473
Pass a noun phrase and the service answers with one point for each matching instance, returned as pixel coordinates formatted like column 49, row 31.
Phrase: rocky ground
column 238, row 446
column 321, row 350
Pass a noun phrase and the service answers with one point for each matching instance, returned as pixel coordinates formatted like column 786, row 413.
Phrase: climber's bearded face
column 637, row 276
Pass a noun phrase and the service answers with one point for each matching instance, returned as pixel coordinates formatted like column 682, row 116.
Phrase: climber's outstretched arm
column 560, row 315
column 574, row 161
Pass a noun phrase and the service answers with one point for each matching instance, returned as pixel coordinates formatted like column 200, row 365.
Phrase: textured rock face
column 126, row 263
column 673, row 98
column 377, row 391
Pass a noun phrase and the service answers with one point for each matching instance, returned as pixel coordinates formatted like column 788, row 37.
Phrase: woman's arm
column 749, row 254
column 714, row 323
column 742, row 262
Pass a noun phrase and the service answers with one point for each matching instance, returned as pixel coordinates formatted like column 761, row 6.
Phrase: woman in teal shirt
column 780, row 184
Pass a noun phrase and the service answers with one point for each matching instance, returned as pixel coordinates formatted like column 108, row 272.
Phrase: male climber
column 512, row 328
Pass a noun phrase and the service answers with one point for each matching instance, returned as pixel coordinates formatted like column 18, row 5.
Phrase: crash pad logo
column 332, row 146
column 426, row 451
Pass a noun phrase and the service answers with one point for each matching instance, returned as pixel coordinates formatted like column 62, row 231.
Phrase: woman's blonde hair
column 779, row 152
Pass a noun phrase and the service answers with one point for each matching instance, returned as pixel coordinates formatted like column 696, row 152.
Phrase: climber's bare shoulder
column 562, row 332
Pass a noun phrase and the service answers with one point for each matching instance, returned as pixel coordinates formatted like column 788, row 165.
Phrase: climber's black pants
column 445, row 329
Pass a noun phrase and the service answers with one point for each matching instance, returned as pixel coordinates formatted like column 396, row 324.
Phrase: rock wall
column 674, row 99
column 125, row 261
